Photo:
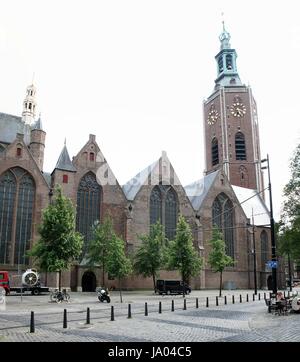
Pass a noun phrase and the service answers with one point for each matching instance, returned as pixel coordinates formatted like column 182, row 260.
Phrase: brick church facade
column 229, row 195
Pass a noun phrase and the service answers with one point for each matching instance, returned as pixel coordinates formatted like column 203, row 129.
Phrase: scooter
column 103, row 295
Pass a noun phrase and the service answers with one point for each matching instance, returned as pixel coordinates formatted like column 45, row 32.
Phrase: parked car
column 172, row 287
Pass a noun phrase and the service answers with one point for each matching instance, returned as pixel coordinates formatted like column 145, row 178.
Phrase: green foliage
column 289, row 227
column 149, row 257
column 182, row 255
column 217, row 259
column 118, row 265
column 100, row 244
column 59, row 244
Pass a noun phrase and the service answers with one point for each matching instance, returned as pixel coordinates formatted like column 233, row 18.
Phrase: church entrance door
column 88, row 282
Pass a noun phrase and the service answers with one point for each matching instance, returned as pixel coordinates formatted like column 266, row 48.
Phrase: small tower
column 37, row 142
column 64, row 173
column 29, row 105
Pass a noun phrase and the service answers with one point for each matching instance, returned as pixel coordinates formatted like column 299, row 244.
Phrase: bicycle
column 59, row 296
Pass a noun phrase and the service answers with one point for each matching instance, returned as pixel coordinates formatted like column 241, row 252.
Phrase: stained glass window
column 25, row 208
column 88, row 206
column 155, row 205
column 264, row 248
column 7, row 201
column 223, row 217
column 170, row 214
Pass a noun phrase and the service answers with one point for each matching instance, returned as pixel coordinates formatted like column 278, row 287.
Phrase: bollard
column 184, row 304
column 88, row 321
column 159, row 307
column 197, row 303
column 65, row 323
column 129, row 310
column 172, row 307
column 32, row 329
column 270, row 295
column 265, row 296
column 112, row 314
column 258, row 296
column 225, row 299
column 217, row 301
column 253, row 297
column 247, row 297
column 207, row 305
column 241, row 300
column 233, row 299
column 146, row 309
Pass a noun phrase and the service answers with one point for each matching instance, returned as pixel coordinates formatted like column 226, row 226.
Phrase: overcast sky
column 135, row 74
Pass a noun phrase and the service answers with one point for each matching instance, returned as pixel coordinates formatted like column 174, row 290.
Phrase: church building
column 230, row 194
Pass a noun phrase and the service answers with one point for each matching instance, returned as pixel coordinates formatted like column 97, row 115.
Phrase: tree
column 149, row 257
column 289, row 229
column 100, row 244
column 59, row 244
column 217, row 259
column 118, row 265
column 182, row 255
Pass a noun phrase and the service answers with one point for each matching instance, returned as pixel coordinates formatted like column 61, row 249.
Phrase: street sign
column 272, row 264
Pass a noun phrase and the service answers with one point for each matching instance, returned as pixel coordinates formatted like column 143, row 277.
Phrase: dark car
column 172, row 287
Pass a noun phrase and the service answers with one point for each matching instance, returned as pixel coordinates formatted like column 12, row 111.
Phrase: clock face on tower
column 213, row 115
column 238, row 109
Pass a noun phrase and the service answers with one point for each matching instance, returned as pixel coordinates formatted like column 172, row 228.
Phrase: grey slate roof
column 249, row 199
column 132, row 187
column 47, row 177
column 11, row 125
column 198, row 190
column 64, row 162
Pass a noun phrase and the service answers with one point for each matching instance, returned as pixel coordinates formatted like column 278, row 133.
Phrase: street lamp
column 253, row 251
column 272, row 225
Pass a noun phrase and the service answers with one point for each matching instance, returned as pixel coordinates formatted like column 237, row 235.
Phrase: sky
column 135, row 74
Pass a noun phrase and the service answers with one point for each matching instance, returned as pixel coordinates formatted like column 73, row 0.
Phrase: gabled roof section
column 197, row 191
column 10, row 126
column 64, row 162
column 133, row 186
column 251, row 200
column 159, row 172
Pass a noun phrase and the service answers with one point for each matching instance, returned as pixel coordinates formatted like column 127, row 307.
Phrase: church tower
column 29, row 105
column 231, row 125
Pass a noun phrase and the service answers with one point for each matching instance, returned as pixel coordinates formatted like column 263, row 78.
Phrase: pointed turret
column 64, row 162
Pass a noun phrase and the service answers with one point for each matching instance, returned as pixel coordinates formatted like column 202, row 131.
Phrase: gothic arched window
column 164, row 208
column 214, row 151
column 155, row 205
column 24, row 218
column 223, row 218
column 88, row 206
column 240, row 147
column 170, row 214
column 264, row 248
column 17, row 195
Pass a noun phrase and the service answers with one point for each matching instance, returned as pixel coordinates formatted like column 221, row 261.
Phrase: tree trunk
column 154, row 284
column 120, row 290
column 59, row 280
column 103, row 281
column 220, row 292
column 183, row 294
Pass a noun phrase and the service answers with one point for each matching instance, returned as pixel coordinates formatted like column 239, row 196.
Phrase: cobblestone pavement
column 239, row 322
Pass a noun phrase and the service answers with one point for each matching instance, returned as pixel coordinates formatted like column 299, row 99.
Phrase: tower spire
column 29, row 105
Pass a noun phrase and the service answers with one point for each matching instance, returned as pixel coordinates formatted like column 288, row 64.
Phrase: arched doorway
column 270, row 282
column 88, row 282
